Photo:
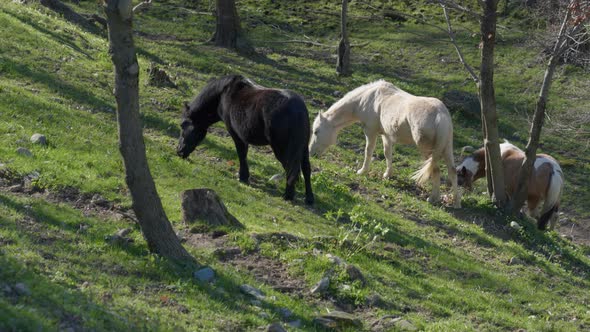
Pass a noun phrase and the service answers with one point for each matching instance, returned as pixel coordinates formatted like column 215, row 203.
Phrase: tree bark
column 343, row 63
column 517, row 201
column 488, row 103
column 156, row 228
column 227, row 28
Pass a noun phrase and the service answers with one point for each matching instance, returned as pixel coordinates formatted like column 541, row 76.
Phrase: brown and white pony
column 545, row 184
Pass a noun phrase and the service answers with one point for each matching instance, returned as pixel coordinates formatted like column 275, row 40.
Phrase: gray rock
column 205, row 274
column 24, row 152
column 337, row 319
column 205, row 206
column 321, row 286
column 22, row 289
column 123, row 232
column 284, row 313
column 275, row 327
column 254, row 292
column 16, row 188
column 355, row 274
column 39, row 139
column 295, row 323
column 335, row 259
column 405, row 325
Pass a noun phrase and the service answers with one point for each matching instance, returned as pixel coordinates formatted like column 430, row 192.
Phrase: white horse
column 399, row 117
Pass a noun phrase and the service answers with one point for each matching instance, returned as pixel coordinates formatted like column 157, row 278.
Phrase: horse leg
column 388, row 152
column 452, row 176
column 242, row 149
column 306, row 170
column 369, row 148
column 435, row 178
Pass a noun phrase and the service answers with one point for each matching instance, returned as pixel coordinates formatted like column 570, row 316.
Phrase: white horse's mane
column 367, row 88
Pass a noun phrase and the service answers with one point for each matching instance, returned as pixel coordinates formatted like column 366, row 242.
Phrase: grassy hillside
column 425, row 267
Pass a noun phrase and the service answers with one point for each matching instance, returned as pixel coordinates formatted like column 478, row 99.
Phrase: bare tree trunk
column 156, row 228
column 488, row 103
column 517, row 201
column 343, row 63
column 227, row 29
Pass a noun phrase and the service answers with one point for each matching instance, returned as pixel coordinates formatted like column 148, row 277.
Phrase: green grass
column 439, row 268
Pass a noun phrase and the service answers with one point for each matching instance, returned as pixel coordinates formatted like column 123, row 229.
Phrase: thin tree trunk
column 517, row 201
column 343, row 63
column 488, row 103
column 156, row 228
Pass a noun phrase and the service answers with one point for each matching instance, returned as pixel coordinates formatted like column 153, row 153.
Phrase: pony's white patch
column 470, row 164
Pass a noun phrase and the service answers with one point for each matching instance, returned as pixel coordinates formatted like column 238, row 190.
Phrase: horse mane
column 211, row 93
column 376, row 86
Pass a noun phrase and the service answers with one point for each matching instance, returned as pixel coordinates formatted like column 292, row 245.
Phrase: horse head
column 322, row 136
column 191, row 133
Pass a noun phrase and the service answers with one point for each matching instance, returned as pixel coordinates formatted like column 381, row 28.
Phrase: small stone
column 355, row 274
column 205, row 274
column 275, row 327
column 335, row 259
column 515, row 225
column 405, row 325
column 295, row 323
column 24, row 152
column 336, row 93
column 256, row 303
column 321, row 286
column 249, row 290
column 123, row 232
column 264, row 315
column 340, row 318
column 285, row 313
column 16, row 188
column 345, row 287
column 22, row 289
column 39, row 139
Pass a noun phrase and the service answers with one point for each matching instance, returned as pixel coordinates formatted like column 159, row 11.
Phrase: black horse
column 252, row 115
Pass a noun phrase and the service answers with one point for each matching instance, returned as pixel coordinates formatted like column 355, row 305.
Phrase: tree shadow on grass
column 162, row 274
column 51, row 34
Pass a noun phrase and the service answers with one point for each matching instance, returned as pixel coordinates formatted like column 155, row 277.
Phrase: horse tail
column 442, row 138
column 551, row 205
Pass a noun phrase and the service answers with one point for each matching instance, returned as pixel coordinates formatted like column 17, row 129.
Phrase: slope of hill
column 423, row 266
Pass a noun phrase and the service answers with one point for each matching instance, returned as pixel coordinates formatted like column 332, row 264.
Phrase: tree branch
column 459, row 53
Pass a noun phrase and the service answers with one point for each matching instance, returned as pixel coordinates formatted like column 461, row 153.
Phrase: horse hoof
column 361, row 171
column 386, row 175
column 309, row 200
